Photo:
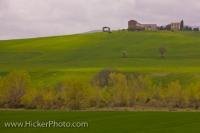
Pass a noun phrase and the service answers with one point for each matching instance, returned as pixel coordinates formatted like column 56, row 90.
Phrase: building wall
column 150, row 26
column 175, row 26
column 132, row 24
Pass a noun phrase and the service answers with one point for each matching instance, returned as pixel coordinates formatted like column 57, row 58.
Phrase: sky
column 35, row 18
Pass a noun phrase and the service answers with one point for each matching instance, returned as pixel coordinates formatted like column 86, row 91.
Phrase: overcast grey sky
column 31, row 18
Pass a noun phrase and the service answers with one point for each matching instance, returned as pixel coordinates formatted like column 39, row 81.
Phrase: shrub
column 102, row 78
column 117, row 90
column 155, row 96
column 162, row 51
column 33, row 99
column 193, row 95
column 2, row 93
column 42, row 98
column 105, row 97
column 124, row 54
column 122, row 94
column 139, row 81
column 173, row 95
column 142, row 85
column 50, row 99
column 75, row 94
column 13, row 88
column 95, row 97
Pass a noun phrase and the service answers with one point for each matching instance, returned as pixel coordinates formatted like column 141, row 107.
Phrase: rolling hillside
column 95, row 51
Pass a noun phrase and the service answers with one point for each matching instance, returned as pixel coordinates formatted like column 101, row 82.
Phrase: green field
column 55, row 58
column 108, row 122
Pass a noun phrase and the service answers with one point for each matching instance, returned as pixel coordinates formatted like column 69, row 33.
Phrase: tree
column 168, row 27
column 124, row 54
column 162, row 51
column 182, row 25
column 102, row 78
column 161, row 28
column 188, row 28
column 196, row 29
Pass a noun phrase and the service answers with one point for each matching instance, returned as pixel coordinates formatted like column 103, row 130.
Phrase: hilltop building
column 150, row 26
column 175, row 26
column 134, row 25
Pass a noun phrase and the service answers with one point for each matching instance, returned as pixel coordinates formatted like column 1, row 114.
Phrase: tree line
column 107, row 89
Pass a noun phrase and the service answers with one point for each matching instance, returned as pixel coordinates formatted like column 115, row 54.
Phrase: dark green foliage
column 195, row 29
column 182, row 25
column 188, row 28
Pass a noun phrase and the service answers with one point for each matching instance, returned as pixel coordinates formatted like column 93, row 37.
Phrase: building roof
column 132, row 21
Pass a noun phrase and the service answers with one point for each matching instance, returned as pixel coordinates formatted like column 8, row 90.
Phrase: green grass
column 54, row 58
column 117, row 122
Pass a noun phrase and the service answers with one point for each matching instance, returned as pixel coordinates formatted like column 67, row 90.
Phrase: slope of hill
column 95, row 51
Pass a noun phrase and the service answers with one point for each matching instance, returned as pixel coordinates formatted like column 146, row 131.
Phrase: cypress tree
column 182, row 25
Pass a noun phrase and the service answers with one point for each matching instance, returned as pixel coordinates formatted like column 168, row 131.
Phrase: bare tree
column 163, row 52
column 124, row 54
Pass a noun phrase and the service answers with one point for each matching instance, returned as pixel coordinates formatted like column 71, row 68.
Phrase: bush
column 33, row 99
column 13, row 88
column 95, row 97
column 70, row 94
column 174, row 95
column 193, row 95
column 124, row 54
column 162, row 51
column 2, row 93
column 75, row 94
column 102, row 78
column 155, row 96
column 122, row 95
column 142, row 85
column 117, row 90
column 43, row 98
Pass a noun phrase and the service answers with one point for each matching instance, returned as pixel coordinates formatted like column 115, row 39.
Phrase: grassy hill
column 50, row 60
column 85, row 53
